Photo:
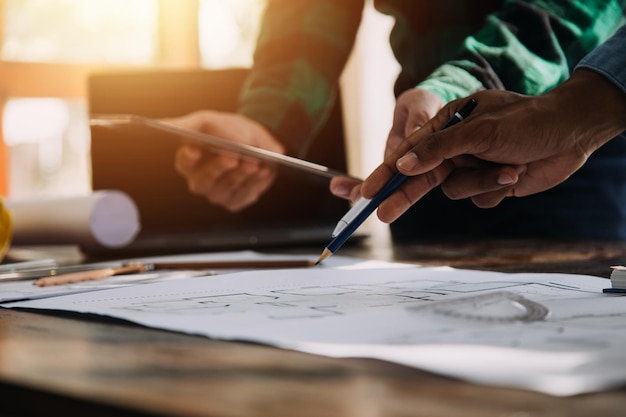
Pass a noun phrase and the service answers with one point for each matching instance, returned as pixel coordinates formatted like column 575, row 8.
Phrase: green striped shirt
column 450, row 47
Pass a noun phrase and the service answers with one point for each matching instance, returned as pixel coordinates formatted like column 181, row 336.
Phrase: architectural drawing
column 334, row 300
column 555, row 333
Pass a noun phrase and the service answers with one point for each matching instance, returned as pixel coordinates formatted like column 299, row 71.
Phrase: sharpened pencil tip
column 323, row 256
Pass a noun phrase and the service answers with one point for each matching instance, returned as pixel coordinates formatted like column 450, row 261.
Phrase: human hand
column 414, row 108
column 228, row 180
column 542, row 140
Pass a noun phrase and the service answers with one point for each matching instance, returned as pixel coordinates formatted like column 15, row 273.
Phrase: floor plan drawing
column 317, row 301
column 544, row 323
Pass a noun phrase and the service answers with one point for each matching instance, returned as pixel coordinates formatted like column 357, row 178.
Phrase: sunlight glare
column 228, row 30
column 78, row 31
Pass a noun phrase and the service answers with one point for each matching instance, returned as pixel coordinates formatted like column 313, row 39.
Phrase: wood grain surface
column 90, row 366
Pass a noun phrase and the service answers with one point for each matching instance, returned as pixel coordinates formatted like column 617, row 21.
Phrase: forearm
column 529, row 47
column 599, row 82
column 301, row 52
column 589, row 105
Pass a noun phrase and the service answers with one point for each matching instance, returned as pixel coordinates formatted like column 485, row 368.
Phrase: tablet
column 214, row 143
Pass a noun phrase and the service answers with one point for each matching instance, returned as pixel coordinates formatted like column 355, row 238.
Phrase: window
column 228, row 32
column 48, row 48
column 118, row 32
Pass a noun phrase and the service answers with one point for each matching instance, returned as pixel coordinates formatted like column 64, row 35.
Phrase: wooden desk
column 93, row 367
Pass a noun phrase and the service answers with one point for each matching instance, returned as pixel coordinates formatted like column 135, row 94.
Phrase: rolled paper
column 107, row 218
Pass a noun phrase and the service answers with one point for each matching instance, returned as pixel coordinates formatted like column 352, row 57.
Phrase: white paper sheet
column 11, row 291
column 569, row 339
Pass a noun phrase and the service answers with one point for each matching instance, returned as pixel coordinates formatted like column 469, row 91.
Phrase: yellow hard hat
column 6, row 229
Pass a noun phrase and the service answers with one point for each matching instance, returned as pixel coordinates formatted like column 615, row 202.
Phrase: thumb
column 442, row 138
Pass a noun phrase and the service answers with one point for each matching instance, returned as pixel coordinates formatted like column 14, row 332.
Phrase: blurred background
column 48, row 48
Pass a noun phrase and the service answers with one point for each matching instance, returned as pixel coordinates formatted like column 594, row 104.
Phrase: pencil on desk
column 137, row 267
column 252, row 263
column 89, row 275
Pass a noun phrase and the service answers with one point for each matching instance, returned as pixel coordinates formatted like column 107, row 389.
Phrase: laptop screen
column 140, row 162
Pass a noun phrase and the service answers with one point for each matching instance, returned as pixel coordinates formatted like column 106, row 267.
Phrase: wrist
column 594, row 106
column 450, row 82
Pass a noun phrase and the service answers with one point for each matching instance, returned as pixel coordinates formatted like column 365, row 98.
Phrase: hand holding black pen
column 364, row 208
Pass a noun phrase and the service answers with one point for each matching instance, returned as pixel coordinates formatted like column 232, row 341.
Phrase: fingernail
column 341, row 191
column 505, row 179
column 408, row 161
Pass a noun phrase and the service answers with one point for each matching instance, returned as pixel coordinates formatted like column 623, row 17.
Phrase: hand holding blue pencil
column 364, row 208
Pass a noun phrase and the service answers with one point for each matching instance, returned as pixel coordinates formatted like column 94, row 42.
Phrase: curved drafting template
column 499, row 306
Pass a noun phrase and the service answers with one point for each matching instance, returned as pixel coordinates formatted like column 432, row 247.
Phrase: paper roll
column 104, row 218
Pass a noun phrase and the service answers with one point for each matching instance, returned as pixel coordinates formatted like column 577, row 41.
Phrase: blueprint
column 553, row 333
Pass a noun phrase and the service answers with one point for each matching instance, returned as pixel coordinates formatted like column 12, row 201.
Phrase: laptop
column 138, row 160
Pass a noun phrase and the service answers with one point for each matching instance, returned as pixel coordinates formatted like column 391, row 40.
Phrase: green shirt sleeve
column 528, row 47
column 300, row 54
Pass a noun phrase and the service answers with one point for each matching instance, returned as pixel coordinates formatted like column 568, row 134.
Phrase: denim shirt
column 609, row 59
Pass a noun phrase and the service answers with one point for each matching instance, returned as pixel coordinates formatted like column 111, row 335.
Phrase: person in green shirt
column 447, row 50
column 511, row 145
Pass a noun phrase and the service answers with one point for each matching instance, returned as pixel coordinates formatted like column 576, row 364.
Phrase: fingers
column 201, row 169
column 414, row 108
column 466, row 182
column 236, row 190
column 223, row 180
column 186, row 158
column 429, row 156
column 424, row 106
column 486, row 187
column 194, row 121
column 383, row 173
column 492, row 199
column 239, row 192
column 506, row 131
column 346, row 188
column 393, row 141
column 428, row 147
column 412, row 191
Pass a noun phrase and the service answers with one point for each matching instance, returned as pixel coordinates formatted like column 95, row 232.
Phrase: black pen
column 362, row 209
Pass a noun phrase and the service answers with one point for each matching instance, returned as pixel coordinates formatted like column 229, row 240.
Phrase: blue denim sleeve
column 609, row 59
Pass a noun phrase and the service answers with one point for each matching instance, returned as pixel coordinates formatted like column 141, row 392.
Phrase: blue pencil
column 387, row 190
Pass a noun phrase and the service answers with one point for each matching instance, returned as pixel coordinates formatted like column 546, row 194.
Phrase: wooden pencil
column 138, row 267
